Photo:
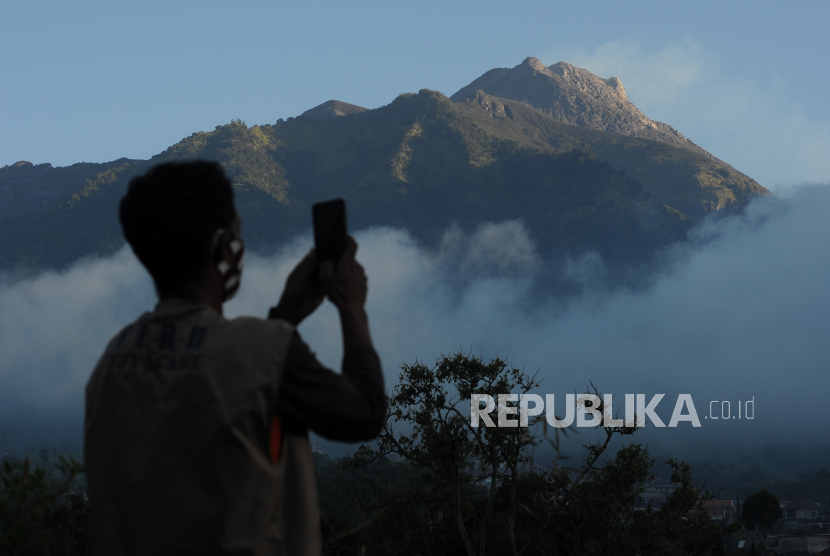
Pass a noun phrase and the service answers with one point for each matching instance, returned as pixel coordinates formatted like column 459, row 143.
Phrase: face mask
column 231, row 273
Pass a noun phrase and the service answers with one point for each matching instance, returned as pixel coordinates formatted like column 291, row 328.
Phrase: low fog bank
column 740, row 312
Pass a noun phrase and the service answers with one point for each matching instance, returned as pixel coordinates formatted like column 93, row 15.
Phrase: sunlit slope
column 687, row 181
column 421, row 163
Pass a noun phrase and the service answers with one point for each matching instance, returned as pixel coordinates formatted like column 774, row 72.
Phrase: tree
column 463, row 463
column 484, row 480
column 40, row 514
column 761, row 510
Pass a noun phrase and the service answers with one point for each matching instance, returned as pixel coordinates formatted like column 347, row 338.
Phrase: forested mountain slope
column 421, row 163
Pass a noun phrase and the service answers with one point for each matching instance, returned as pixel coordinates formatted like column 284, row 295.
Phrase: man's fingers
column 326, row 274
column 351, row 249
column 345, row 281
column 309, row 262
column 347, row 259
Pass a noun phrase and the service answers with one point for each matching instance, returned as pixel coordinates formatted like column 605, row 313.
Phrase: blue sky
column 96, row 81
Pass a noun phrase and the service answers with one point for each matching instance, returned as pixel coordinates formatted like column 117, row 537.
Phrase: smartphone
column 329, row 229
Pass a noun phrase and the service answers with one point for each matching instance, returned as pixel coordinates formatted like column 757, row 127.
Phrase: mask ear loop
column 235, row 247
column 230, row 274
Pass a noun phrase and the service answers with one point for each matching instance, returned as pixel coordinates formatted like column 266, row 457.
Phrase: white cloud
column 743, row 310
column 55, row 325
column 748, row 121
column 504, row 248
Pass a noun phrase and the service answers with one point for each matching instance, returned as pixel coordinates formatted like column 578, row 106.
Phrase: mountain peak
column 563, row 68
column 573, row 75
column 333, row 108
column 535, row 64
column 616, row 84
column 574, row 96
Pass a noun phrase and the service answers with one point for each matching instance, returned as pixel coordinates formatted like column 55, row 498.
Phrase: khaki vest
column 176, row 440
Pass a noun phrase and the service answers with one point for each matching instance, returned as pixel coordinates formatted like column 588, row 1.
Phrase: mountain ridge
column 422, row 162
column 704, row 184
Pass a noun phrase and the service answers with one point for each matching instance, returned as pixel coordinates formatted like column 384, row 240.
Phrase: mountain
column 577, row 97
column 422, row 162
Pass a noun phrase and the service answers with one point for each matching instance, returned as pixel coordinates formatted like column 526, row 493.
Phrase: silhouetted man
column 196, row 426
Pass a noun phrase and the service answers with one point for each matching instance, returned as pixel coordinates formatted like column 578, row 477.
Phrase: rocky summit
column 576, row 97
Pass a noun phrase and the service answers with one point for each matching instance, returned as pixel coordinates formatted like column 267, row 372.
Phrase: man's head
column 170, row 217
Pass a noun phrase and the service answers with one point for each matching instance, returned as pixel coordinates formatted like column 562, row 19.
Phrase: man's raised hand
column 302, row 294
column 345, row 284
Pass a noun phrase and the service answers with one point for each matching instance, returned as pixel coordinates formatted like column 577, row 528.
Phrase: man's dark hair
column 169, row 216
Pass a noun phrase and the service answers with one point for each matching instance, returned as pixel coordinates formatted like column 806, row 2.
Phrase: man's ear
column 221, row 239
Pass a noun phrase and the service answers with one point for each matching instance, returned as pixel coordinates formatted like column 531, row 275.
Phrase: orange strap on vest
column 276, row 438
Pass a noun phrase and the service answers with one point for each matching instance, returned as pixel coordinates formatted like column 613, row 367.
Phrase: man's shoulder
column 176, row 339
column 121, row 335
column 176, row 310
column 257, row 323
column 252, row 331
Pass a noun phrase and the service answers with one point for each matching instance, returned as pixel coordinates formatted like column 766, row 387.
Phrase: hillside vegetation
column 421, row 163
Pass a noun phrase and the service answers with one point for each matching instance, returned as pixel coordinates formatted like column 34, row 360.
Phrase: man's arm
column 348, row 406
